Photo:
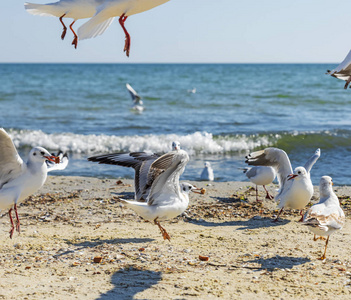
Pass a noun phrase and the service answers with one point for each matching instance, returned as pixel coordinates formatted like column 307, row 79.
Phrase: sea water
column 85, row 109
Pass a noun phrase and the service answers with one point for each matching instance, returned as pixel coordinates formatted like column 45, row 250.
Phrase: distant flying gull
column 18, row 180
column 109, row 9
column 207, row 172
column 295, row 188
column 60, row 163
column 158, row 194
column 325, row 217
column 192, row 91
column 73, row 9
column 260, row 175
column 343, row 71
column 137, row 102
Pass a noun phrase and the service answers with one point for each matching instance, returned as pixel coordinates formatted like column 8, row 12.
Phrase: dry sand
column 73, row 220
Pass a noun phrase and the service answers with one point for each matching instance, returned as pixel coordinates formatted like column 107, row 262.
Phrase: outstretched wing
column 312, row 160
column 164, row 176
column 11, row 164
column 343, row 69
column 52, row 166
column 133, row 93
column 139, row 161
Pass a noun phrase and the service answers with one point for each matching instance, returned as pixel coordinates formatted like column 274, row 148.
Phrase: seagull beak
column 197, row 190
column 291, row 176
column 53, row 158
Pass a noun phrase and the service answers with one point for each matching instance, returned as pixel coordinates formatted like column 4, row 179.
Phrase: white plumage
column 343, row 71
column 109, row 9
column 158, row 194
column 325, row 217
column 207, row 172
column 261, row 175
column 18, row 180
column 295, row 188
column 72, row 9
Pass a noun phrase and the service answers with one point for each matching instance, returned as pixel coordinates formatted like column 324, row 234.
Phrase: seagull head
column 39, row 154
column 175, row 145
column 187, row 188
column 299, row 173
column 325, row 185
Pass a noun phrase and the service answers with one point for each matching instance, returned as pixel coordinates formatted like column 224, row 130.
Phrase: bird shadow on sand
column 252, row 223
column 97, row 242
column 278, row 262
column 130, row 281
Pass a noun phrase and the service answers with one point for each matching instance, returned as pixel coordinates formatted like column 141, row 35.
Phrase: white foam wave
column 195, row 143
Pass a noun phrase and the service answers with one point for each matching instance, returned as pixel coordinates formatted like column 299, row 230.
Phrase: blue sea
column 85, row 109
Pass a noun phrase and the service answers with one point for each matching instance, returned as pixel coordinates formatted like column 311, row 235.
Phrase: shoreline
column 72, row 220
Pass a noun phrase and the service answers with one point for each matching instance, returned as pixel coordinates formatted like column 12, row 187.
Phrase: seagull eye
column 34, row 153
column 299, row 172
column 42, row 153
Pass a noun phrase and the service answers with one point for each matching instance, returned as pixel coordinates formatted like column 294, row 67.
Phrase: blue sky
column 218, row 31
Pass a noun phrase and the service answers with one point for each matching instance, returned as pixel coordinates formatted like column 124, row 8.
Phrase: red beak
column 53, row 158
column 291, row 176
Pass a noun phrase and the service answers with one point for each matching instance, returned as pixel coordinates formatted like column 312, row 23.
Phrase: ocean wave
column 195, row 143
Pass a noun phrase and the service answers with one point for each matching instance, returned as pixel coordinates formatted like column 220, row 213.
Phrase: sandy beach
column 73, row 221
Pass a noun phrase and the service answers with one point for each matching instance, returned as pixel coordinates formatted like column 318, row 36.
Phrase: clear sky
column 228, row 31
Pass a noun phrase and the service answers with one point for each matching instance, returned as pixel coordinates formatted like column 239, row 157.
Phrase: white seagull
column 137, row 102
column 158, row 194
column 109, row 9
column 18, row 180
column 295, row 188
column 325, row 217
column 207, row 172
column 343, row 71
column 72, row 9
column 260, row 175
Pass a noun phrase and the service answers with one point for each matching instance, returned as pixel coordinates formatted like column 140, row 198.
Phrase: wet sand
column 73, row 221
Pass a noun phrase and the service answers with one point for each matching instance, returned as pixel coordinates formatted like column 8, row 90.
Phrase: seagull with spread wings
column 158, row 194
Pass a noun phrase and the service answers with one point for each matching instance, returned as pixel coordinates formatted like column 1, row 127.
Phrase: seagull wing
column 11, row 164
column 343, row 68
column 51, row 166
column 164, row 176
column 133, row 93
column 139, row 161
column 312, row 160
column 98, row 23
column 275, row 158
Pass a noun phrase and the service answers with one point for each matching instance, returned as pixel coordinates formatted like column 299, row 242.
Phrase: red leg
column 268, row 196
column 301, row 214
column 12, row 225
column 276, row 219
column 163, row 231
column 18, row 226
column 75, row 40
column 325, row 249
column 121, row 20
column 64, row 28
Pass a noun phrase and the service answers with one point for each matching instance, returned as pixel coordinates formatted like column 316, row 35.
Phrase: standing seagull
column 207, row 172
column 325, row 217
column 73, row 9
column 295, row 188
column 18, row 180
column 261, row 175
column 156, row 182
column 109, row 9
column 137, row 102
column 343, row 71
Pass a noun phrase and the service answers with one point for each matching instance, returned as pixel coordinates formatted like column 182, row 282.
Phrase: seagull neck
column 35, row 167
